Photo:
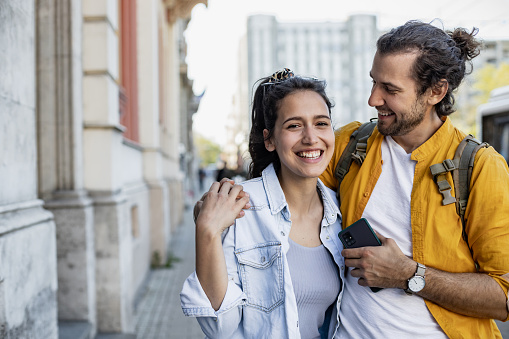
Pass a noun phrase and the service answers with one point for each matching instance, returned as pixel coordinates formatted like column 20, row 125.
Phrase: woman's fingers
column 214, row 188
column 227, row 180
column 223, row 196
column 225, row 187
column 235, row 192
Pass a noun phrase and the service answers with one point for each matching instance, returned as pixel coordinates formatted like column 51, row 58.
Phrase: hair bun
column 466, row 42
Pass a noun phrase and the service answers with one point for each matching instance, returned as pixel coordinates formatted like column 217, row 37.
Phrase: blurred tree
column 207, row 150
column 488, row 78
column 483, row 81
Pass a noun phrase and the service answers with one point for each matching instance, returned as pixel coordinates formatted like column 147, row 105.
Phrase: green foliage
column 208, row 151
column 488, row 78
column 476, row 91
column 157, row 262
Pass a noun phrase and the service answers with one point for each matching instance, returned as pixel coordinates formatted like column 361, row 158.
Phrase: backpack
column 461, row 167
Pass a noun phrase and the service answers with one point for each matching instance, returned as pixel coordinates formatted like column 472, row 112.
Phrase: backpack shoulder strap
column 355, row 151
column 465, row 154
column 461, row 169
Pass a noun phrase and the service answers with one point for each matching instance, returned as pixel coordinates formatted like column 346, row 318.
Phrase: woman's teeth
column 309, row 155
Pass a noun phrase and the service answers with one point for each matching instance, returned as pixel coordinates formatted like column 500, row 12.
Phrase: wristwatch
column 417, row 282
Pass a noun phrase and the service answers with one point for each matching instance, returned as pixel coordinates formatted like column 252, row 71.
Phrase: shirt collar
column 330, row 209
column 277, row 201
column 273, row 189
column 436, row 141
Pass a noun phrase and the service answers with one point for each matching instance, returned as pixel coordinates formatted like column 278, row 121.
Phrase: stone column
column 151, row 48
column 104, row 166
column 60, row 149
column 60, row 146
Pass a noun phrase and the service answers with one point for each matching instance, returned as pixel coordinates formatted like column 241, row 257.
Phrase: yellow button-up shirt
column 436, row 229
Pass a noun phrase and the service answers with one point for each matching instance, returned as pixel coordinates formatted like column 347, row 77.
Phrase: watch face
column 415, row 284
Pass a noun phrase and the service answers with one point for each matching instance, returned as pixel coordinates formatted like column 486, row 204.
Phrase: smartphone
column 360, row 234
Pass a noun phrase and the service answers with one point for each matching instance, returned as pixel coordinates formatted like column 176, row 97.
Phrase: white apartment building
column 339, row 52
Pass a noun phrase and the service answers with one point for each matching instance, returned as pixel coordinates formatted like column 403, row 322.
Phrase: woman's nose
column 310, row 136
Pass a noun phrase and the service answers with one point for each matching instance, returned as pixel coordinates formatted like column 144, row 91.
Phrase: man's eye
column 390, row 91
column 323, row 123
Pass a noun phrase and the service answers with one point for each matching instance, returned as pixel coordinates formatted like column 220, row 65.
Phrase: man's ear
column 268, row 142
column 438, row 92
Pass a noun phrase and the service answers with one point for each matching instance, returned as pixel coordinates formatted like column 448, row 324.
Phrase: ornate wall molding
column 180, row 9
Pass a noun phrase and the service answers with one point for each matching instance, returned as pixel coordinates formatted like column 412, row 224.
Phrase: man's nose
column 376, row 98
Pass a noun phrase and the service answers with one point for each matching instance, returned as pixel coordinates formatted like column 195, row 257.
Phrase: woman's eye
column 293, row 126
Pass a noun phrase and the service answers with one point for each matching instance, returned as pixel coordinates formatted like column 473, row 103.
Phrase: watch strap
column 421, row 270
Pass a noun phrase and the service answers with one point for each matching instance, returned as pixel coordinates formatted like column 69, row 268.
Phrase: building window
column 128, row 94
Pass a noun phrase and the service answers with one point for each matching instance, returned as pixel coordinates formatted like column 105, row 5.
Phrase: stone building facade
column 92, row 95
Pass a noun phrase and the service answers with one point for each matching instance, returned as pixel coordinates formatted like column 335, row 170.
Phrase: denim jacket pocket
column 261, row 271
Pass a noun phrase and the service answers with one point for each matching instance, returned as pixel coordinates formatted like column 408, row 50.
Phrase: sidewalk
column 158, row 315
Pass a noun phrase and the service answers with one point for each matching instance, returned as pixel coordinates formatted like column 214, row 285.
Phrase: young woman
column 277, row 272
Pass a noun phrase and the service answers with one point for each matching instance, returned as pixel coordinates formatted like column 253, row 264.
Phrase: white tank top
column 315, row 281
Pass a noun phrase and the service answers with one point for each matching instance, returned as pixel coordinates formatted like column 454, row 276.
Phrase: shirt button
column 282, row 233
column 366, row 194
column 327, row 238
column 263, row 259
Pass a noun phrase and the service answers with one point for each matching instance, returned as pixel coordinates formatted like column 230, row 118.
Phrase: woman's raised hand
column 199, row 203
column 221, row 205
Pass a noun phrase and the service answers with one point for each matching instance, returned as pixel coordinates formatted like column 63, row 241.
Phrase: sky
column 214, row 31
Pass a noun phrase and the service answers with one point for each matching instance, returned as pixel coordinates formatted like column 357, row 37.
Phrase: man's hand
column 470, row 294
column 199, row 203
column 380, row 266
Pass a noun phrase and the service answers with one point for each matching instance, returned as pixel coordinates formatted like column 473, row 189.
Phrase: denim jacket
column 260, row 300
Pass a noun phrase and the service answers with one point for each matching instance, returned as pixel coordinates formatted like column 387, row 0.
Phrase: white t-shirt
column 389, row 313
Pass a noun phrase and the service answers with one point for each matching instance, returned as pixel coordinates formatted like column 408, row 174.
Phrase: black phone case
column 359, row 234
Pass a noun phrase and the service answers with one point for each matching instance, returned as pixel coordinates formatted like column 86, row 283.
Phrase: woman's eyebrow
column 300, row 118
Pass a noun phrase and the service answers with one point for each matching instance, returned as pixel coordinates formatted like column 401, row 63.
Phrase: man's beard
column 402, row 124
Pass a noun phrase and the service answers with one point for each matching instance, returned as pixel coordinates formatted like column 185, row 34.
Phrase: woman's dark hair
column 266, row 103
column 441, row 55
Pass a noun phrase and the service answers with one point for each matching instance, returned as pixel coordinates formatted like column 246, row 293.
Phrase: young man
column 455, row 291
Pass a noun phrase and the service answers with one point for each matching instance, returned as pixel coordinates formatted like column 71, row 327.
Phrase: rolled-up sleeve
column 195, row 303
column 488, row 216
